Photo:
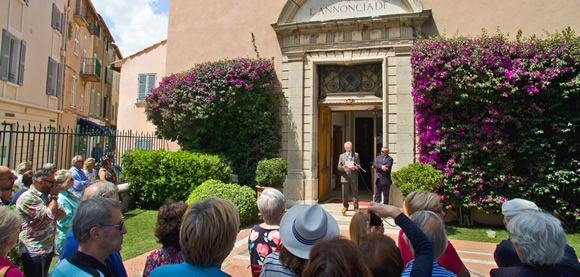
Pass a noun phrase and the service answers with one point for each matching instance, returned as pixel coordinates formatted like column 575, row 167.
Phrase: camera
column 375, row 219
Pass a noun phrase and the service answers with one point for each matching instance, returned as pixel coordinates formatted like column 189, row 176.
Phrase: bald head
column 100, row 188
column 6, row 178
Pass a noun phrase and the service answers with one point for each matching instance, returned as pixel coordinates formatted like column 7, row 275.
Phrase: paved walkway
column 477, row 256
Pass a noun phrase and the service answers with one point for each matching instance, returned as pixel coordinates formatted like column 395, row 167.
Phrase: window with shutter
column 98, row 110
column 22, row 58
column 91, row 107
column 76, row 44
column 52, row 77
column 83, row 99
column 49, row 77
column 73, row 91
column 5, row 55
column 146, row 83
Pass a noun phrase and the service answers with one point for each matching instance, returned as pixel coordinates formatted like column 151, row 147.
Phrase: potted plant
column 271, row 173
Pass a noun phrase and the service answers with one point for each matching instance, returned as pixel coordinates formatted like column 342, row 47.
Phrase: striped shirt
column 437, row 270
column 273, row 267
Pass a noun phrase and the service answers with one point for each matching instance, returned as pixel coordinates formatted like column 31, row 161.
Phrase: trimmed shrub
column 500, row 119
column 417, row 176
column 242, row 196
column 228, row 107
column 155, row 176
column 272, row 172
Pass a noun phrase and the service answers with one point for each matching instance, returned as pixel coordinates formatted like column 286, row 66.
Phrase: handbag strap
column 4, row 269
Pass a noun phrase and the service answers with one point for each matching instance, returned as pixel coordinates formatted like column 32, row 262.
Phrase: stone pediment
column 318, row 24
column 304, row 11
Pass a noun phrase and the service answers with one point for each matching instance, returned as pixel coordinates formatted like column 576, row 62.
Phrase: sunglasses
column 118, row 226
column 49, row 181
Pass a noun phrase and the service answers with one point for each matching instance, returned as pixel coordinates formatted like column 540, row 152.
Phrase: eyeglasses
column 13, row 177
column 49, row 181
column 118, row 226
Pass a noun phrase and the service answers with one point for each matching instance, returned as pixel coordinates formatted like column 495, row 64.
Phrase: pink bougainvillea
column 500, row 118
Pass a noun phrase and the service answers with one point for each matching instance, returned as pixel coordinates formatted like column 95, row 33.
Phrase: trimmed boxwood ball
column 242, row 196
column 417, row 176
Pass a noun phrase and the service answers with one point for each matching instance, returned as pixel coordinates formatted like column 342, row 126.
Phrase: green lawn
column 140, row 237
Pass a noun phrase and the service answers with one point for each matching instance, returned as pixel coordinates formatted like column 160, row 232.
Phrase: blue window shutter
column 5, row 55
column 54, row 19
column 142, row 88
column 150, row 83
column 49, row 77
column 22, row 58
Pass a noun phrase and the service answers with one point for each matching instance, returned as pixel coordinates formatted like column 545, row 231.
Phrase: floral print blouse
column 262, row 242
column 162, row 256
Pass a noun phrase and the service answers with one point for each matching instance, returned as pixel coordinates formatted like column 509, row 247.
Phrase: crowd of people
column 75, row 215
column 305, row 241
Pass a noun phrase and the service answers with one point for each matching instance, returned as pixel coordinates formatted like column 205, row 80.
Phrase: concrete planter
column 124, row 195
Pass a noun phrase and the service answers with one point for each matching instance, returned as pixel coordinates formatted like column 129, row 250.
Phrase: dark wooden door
column 364, row 146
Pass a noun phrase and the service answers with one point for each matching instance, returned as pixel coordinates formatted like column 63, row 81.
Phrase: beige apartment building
column 54, row 72
column 31, row 61
column 344, row 67
column 90, row 83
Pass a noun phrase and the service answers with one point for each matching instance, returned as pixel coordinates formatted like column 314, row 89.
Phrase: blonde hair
column 10, row 222
column 358, row 227
column 62, row 177
column 203, row 246
column 421, row 200
column 88, row 162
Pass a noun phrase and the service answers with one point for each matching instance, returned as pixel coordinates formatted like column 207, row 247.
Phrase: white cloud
column 136, row 24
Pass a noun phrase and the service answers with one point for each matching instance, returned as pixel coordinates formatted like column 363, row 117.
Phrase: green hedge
column 417, row 176
column 155, row 176
column 242, row 196
column 272, row 172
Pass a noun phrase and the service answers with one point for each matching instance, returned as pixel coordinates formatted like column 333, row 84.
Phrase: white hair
column 432, row 225
column 347, row 143
column 272, row 205
column 539, row 236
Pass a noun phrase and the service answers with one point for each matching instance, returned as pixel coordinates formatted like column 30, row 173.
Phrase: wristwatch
column 53, row 196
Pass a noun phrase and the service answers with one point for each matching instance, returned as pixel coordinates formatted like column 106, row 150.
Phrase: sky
column 135, row 24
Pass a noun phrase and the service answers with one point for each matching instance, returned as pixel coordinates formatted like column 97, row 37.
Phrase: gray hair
column 40, row 174
column 539, row 236
column 48, row 166
column 100, row 188
column 76, row 158
column 432, row 225
column 10, row 222
column 22, row 166
column 91, row 213
column 347, row 143
column 272, row 205
column 62, row 177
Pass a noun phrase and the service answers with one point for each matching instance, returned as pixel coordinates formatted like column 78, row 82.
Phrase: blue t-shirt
column 185, row 269
column 114, row 260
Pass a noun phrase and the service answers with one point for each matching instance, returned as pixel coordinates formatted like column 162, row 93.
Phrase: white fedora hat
column 516, row 206
column 303, row 225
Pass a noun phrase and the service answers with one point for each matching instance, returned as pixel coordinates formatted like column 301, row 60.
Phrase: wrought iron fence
column 48, row 144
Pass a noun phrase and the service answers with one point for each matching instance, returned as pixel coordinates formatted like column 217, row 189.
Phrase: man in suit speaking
column 348, row 166
column 383, row 164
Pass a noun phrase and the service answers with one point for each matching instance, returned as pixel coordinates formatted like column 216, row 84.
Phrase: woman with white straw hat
column 300, row 228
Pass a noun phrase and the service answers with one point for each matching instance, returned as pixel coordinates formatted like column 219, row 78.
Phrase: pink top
column 13, row 272
column 449, row 260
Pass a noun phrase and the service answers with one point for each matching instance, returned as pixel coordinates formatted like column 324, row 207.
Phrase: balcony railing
column 91, row 69
column 81, row 15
